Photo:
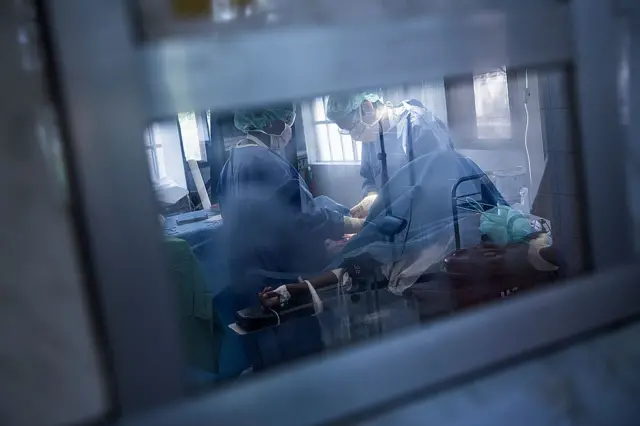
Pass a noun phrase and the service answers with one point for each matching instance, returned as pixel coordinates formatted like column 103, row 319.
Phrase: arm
column 321, row 223
column 369, row 185
column 272, row 299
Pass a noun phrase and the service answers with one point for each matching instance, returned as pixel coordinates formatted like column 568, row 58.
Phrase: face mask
column 279, row 142
column 361, row 130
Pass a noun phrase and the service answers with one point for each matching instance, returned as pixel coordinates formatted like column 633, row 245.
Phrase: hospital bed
column 465, row 278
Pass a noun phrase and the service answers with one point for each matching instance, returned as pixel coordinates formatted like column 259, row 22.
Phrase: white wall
column 168, row 135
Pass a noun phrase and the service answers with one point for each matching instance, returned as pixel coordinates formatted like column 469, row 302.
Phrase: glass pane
column 278, row 222
column 161, row 162
column 153, row 164
column 53, row 356
column 492, row 105
column 318, row 109
column 323, row 143
column 348, row 146
column 337, row 145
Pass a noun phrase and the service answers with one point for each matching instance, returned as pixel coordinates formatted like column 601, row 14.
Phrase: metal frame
column 103, row 115
column 99, row 67
column 422, row 361
column 248, row 72
column 603, row 148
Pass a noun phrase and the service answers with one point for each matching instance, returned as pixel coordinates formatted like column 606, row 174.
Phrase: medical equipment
column 200, row 187
column 510, row 183
column 196, row 217
column 257, row 318
column 502, row 223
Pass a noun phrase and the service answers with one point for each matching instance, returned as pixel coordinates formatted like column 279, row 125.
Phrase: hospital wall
column 341, row 182
column 559, row 196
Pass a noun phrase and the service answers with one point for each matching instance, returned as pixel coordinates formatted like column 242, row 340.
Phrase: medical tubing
column 385, row 179
column 317, row 303
column 526, row 131
column 412, row 174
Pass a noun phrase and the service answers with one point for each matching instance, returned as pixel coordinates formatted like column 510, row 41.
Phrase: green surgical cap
column 341, row 105
column 260, row 119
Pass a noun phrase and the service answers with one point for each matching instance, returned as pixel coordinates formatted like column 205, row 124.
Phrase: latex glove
column 353, row 225
column 361, row 210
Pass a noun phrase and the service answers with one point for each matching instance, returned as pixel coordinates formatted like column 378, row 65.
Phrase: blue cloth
column 207, row 241
column 210, row 248
column 193, row 233
column 412, row 123
column 273, row 224
column 420, row 194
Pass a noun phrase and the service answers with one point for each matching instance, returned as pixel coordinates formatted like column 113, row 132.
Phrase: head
column 275, row 123
column 357, row 114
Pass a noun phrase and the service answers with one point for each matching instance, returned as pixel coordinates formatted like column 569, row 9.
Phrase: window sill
column 335, row 163
column 488, row 144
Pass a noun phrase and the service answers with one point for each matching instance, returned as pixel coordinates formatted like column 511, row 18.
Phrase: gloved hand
column 353, row 225
column 361, row 210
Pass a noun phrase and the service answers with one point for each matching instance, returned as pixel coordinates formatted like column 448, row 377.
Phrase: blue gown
column 420, row 193
column 427, row 133
column 275, row 229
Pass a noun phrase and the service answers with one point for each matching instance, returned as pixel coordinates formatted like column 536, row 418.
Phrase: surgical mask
column 279, row 142
column 360, row 128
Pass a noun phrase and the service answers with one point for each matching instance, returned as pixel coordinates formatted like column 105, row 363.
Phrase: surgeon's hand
column 361, row 210
column 353, row 225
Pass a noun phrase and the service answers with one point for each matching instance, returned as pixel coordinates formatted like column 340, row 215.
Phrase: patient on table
column 419, row 195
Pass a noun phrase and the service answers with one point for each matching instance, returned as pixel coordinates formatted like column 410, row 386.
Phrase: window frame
column 310, row 124
column 152, row 149
column 460, row 109
column 145, row 358
column 460, row 104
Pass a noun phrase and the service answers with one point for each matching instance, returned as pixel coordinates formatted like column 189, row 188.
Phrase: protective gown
column 420, row 194
column 274, row 228
column 410, row 122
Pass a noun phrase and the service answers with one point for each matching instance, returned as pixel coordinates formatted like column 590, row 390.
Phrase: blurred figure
column 277, row 230
column 409, row 130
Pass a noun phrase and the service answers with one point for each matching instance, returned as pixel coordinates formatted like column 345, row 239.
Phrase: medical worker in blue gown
column 275, row 228
column 409, row 131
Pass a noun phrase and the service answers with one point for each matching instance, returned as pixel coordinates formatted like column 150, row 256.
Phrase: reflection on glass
column 492, row 105
column 360, row 235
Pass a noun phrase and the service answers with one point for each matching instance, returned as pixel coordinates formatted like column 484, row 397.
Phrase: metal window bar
column 151, row 153
column 326, row 123
column 354, row 147
column 342, row 145
column 326, row 130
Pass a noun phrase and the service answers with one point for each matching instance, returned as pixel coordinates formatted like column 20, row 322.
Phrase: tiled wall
column 557, row 198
